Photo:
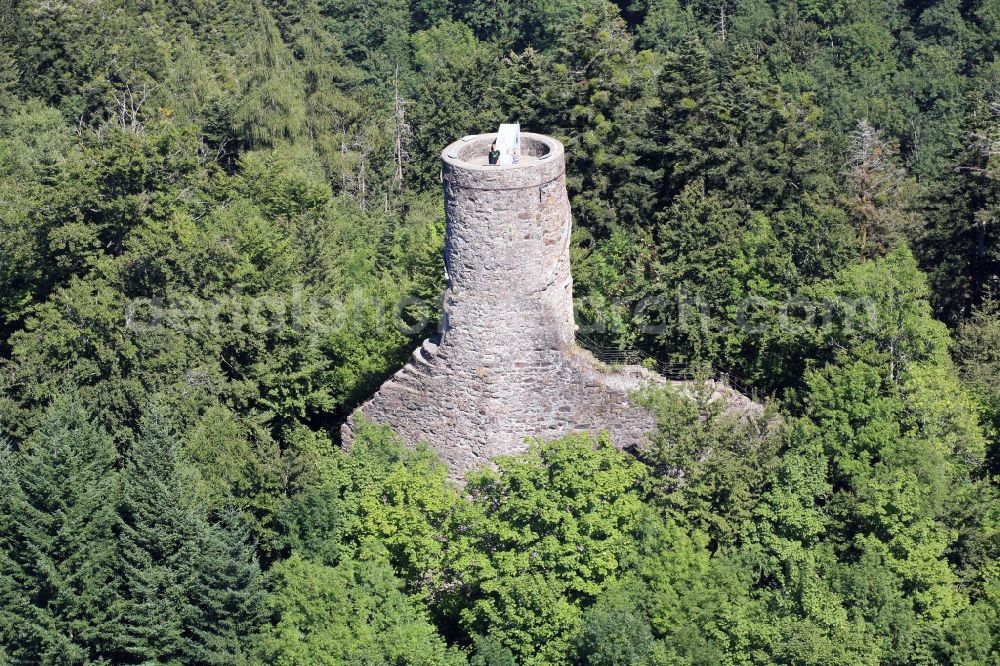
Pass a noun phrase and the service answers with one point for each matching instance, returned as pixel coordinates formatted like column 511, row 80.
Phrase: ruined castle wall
column 472, row 410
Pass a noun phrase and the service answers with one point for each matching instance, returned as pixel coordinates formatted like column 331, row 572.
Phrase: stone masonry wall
column 505, row 366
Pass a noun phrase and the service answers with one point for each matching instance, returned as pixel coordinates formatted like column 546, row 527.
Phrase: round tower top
column 466, row 163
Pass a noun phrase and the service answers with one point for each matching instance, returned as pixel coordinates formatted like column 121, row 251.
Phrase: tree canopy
column 221, row 228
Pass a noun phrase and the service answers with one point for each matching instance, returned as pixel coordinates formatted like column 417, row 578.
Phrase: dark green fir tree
column 189, row 590
column 55, row 540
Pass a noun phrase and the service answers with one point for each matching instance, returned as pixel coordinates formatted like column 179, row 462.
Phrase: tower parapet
column 505, row 366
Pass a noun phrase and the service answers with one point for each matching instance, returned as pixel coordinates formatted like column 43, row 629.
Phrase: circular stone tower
column 505, row 366
column 507, row 248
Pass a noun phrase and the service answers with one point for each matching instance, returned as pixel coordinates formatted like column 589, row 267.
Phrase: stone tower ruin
column 505, row 366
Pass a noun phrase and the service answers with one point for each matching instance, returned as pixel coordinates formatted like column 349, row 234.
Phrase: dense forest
column 221, row 228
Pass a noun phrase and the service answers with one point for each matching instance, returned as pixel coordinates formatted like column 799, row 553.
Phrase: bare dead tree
column 877, row 185
column 362, row 177
column 128, row 106
column 343, row 164
column 986, row 142
column 864, row 167
column 206, row 154
column 401, row 131
column 720, row 25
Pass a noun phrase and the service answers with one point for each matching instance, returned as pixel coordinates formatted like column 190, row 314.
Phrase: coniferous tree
column 335, row 103
column 272, row 109
column 590, row 91
column 9, row 78
column 236, row 240
column 958, row 244
column 229, row 594
column 682, row 132
column 188, row 591
column 57, row 540
column 18, row 619
column 663, row 25
column 374, row 36
column 457, row 93
column 158, row 543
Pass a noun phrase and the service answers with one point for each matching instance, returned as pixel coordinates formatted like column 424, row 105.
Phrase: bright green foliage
column 976, row 348
column 868, row 486
column 227, row 454
column 883, row 304
column 708, row 465
column 697, row 605
column 353, row 613
column 550, row 533
column 272, row 109
column 664, row 26
column 257, row 302
column 32, row 139
column 614, row 273
column 460, row 78
column 62, row 53
column 758, row 289
column 335, row 105
column 888, row 439
column 382, row 491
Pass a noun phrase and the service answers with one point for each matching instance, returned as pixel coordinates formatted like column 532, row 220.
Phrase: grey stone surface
column 505, row 366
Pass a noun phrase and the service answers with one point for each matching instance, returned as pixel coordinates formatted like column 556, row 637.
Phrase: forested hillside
column 221, row 228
